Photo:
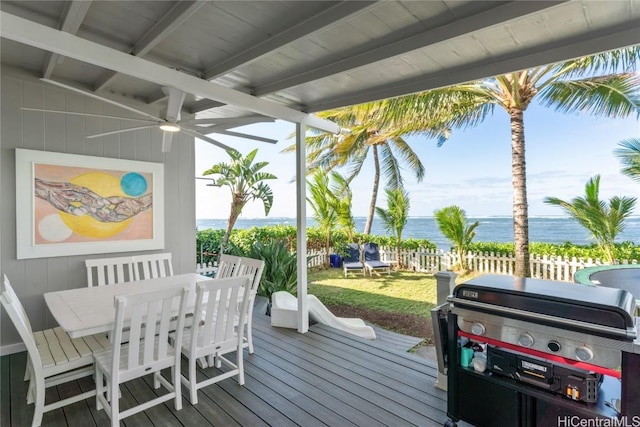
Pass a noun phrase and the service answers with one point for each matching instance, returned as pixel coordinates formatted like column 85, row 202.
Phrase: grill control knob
column 478, row 329
column 525, row 340
column 584, row 354
column 554, row 346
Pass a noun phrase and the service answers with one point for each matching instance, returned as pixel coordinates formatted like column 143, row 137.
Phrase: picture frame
column 70, row 204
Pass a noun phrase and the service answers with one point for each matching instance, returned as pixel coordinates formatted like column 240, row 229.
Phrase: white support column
column 301, row 223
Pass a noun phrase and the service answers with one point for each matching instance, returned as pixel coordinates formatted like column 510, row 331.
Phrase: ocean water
column 491, row 229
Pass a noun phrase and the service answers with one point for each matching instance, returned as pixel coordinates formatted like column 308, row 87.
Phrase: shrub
column 280, row 265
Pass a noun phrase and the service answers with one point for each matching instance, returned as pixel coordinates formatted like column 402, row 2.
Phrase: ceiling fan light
column 170, row 127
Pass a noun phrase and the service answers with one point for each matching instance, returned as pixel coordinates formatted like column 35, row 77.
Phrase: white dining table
column 91, row 310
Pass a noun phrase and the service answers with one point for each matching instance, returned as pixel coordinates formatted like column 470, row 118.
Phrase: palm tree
column 454, row 225
column 324, row 205
column 604, row 221
column 344, row 196
column 629, row 154
column 601, row 84
column 244, row 179
column 395, row 216
column 367, row 137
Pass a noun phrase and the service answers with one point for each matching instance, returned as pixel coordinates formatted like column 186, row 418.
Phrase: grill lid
column 608, row 307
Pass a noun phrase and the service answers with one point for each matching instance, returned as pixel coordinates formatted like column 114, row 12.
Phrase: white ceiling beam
column 203, row 105
column 72, row 18
column 163, row 28
column 558, row 51
column 331, row 16
column 495, row 16
column 33, row 34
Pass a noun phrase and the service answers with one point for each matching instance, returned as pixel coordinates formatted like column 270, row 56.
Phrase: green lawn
column 400, row 292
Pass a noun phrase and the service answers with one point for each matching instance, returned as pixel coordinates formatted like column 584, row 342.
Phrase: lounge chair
column 351, row 261
column 372, row 259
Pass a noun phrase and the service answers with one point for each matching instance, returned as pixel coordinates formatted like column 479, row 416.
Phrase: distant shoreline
column 543, row 229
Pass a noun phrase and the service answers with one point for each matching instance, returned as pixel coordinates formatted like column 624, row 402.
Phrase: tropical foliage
column 603, row 220
column 624, row 251
column 395, row 216
column 324, row 205
column 245, row 181
column 602, row 85
column 280, row 266
column 454, row 225
column 629, row 155
column 366, row 137
column 208, row 240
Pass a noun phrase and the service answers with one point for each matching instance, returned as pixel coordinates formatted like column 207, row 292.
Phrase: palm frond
column 615, row 95
column 629, row 155
column 390, row 167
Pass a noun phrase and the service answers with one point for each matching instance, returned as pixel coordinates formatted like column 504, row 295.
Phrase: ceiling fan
column 197, row 128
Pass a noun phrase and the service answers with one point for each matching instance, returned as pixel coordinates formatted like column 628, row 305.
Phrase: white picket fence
column 549, row 267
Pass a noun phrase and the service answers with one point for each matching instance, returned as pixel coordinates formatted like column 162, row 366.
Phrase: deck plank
column 322, row 378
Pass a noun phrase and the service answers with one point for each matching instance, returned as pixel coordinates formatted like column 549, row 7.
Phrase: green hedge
column 208, row 240
column 624, row 250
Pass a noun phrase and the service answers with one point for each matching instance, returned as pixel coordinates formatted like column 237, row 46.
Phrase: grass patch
column 400, row 302
column 400, row 292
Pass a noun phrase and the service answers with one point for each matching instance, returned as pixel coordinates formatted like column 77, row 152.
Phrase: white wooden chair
column 227, row 266
column 217, row 334
column 253, row 268
column 147, row 352
column 54, row 358
column 106, row 271
column 152, row 266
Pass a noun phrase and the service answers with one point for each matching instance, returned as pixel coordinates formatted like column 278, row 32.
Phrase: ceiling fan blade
column 246, row 136
column 75, row 113
column 166, row 141
column 229, row 122
column 107, row 100
column 121, row 131
column 206, row 138
column 176, row 99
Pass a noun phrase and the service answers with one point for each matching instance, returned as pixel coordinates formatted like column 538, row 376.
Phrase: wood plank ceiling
column 306, row 56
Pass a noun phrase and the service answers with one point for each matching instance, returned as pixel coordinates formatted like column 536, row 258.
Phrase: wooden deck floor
column 324, row 377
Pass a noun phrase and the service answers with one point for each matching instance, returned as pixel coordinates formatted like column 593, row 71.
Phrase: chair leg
column 249, row 334
column 177, row 384
column 156, row 380
column 39, row 400
column 99, row 388
column 115, row 404
column 193, row 391
column 31, row 392
column 240, row 364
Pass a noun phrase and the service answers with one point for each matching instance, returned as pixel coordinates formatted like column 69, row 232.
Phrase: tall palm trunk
column 236, row 209
column 374, row 192
column 520, row 206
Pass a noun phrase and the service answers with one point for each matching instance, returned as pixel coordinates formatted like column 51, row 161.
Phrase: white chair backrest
column 152, row 266
column 251, row 267
column 18, row 316
column 227, row 265
column 217, row 300
column 106, row 271
column 151, row 315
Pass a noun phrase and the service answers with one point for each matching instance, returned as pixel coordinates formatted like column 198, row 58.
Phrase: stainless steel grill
column 588, row 334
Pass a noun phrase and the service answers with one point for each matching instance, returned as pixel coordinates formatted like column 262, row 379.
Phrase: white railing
column 208, row 269
column 549, row 267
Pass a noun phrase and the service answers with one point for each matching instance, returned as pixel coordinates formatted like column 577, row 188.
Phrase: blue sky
column 471, row 170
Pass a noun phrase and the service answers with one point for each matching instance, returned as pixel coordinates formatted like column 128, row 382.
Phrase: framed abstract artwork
column 68, row 204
